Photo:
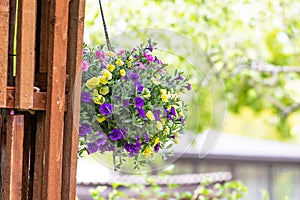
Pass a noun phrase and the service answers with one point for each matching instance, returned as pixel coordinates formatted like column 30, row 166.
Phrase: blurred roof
column 216, row 145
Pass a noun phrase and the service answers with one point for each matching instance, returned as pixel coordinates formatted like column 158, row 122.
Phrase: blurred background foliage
column 255, row 45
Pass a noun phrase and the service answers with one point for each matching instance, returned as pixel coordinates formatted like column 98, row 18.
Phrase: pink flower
column 148, row 56
column 122, row 52
column 141, row 65
column 85, row 65
column 101, row 55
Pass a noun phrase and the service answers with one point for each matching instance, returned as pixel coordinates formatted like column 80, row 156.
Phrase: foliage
column 130, row 105
column 231, row 190
column 249, row 42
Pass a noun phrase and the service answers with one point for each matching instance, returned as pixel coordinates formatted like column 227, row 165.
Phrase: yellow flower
column 103, row 80
column 156, row 141
column 167, row 130
column 154, row 81
column 164, row 97
column 129, row 65
column 163, row 121
column 95, row 94
column 130, row 60
column 104, row 90
column 92, row 83
column 163, row 91
column 147, row 152
column 119, row 62
column 176, row 140
column 107, row 74
column 146, row 93
column 150, row 115
column 159, row 125
column 111, row 67
column 99, row 99
column 110, row 53
column 101, row 119
column 122, row 72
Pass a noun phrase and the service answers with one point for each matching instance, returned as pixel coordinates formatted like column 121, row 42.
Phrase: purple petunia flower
column 139, row 87
column 133, row 76
column 107, row 147
column 139, row 102
column 100, row 138
column 85, row 97
column 117, row 97
column 124, row 131
column 157, row 61
column 146, row 138
column 133, row 149
column 126, row 103
column 85, row 65
column 115, row 134
column 180, row 77
column 157, row 147
column 150, row 48
column 106, row 109
column 189, row 87
column 182, row 119
column 173, row 112
column 156, row 114
column 141, row 112
column 85, row 129
column 92, row 147
column 170, row 117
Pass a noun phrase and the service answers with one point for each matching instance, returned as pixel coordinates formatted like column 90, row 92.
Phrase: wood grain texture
column 74, row 62
column 39, row 156
column 25, row 54
column 4, row 31
column 14, row 158
column 55, row 106
column 39, row 99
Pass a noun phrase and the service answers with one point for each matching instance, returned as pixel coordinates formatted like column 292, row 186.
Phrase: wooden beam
column 14, row 158
column 55, row 106
column 4, row 31
column 39, row 99
column 25, row 54
column 74, row 62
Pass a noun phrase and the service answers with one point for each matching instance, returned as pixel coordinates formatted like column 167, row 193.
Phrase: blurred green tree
column 255, row 45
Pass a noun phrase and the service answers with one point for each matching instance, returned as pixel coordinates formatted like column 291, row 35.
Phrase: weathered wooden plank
column 55, row 106
column 4, row 31
column 14, row 158
column 25, row 54
column 74, row 61
column 39, row 156
column 39, row 99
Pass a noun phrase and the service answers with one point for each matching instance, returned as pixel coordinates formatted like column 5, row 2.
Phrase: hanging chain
column 105, row 28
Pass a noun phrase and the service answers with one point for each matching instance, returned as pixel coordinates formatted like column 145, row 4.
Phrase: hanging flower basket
column 130, row 105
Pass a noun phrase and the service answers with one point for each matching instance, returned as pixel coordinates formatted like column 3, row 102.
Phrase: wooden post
column 74, row 62
column 39, row 157
column 14, row 158
column 4, row 30
column 25, row 54
column 55, row 106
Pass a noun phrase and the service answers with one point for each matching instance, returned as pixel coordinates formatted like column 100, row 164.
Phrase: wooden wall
column 40, row 78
